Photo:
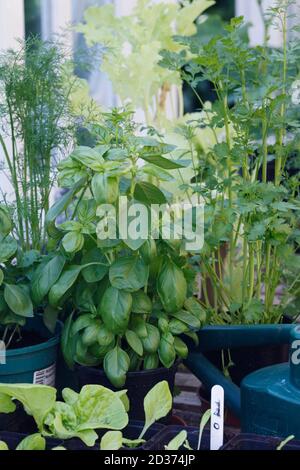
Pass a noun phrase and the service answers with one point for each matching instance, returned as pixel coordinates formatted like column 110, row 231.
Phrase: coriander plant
column 251, row 201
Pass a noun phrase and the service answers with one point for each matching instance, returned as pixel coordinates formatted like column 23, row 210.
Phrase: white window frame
column 12, row 22
column 56, row 16
column 12, row 28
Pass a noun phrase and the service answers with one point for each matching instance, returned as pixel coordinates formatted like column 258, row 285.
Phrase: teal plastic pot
column 33, row 364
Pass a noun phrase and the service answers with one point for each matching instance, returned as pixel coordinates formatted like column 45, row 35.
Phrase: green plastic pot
column 33, row 364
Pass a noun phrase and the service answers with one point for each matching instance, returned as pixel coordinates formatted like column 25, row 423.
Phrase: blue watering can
column 268, row 401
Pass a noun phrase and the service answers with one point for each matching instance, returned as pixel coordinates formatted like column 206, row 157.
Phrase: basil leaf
column 64, row 283
column 134, row 342
column 149, row 194
column 18, row 300
column 129, row 273
column 115, row 309
column 116, row 364
column 44, row 278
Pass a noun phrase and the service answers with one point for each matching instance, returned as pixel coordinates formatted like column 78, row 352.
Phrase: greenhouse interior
column 149, row 228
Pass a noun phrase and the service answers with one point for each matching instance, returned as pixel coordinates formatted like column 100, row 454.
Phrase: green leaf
column 129, row 273
column 177, row 442
column 134, row 342
column 162, row 162
column 50, row 316
column 151, row 361
column 177, row 327
column 105, row 188
column 116, row 365
column 138, row 324
column 68, row 341
column 187, row 318
column 29, row 258
column 171, row 287
column 95, row 407
column 6, row 224
column 253, row 312
column 149, row 194
column 44, row 278
column 141, row 303
column 3, row 446
column 122, row 394
column 98, row 407
column 90, row 334
column 62, row 204
column 181, row 348
column 204, row 420
column 117, row 154
column 37, row 400
column 33, row 442
column 133, row 443
column 64, row 283
column 96, row 272
column 8, row 248
column 193, row 306
column 73, row 242
column 105, row 337
column 285, row 442
column 89, row 157
column 1, row 277
column 82, row 322
column 158, row 173
column 151, row 342
column 166, row 352
column 6, row 404
column 18, row 300
column 86, row 211
column 70, row 226
column 115, row 309
column 157, row 404
column 112, row 440
column 193, row 335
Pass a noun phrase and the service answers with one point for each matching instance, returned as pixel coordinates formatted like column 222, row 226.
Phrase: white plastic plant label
column 45, row 376
column 217, row 418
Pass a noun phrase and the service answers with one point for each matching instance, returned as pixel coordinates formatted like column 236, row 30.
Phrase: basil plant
column 15, row 271
column 129, row 300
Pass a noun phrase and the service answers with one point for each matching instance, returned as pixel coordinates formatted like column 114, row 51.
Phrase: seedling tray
column 169, row 432
column 257, row 442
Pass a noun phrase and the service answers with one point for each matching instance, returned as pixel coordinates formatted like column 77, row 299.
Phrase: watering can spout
column 295, row 357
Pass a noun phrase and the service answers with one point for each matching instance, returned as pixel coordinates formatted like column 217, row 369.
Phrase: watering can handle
column 214, row 338
column 210, row 376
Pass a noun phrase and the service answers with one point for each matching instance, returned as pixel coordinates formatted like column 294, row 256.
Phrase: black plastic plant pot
column 256, row 442
column 13, row 439
column 132, row 431
column 138, row 384
column 169, row 432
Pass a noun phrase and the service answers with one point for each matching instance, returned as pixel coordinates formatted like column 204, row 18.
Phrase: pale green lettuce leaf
column 33, row 442
column 37, row 400
column 177, row 441
column 157, row 404
column 112, row 440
